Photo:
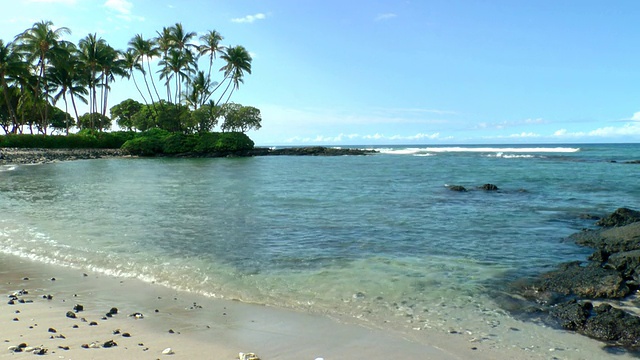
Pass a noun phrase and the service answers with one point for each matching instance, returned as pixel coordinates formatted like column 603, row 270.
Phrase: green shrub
column 178, row 143
column 206, row 143
column 233, row 142
column 143, row 146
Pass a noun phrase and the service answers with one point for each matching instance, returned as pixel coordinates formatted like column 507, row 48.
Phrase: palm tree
column 165, row 43
column 66, row 75
column 238, row 62
column 90, row 51
column 181, row 40
column 199, row 92
column 177, row 65
column 145, row 49
column 211, row 46
column 130, row 63
column 39, row 43
column 110, row 64
column 11, row 66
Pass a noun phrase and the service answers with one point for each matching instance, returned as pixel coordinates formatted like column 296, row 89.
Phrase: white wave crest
column 8, row 168
column 473, row 149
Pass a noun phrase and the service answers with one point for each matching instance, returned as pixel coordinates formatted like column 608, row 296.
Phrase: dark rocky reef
column 311, row 151
column 611, row 275
column 39, row 156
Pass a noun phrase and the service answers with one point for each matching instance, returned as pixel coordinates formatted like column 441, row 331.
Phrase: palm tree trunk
column 75, row 109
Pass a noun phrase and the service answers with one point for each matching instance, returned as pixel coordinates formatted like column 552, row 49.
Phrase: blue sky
column 337, row 72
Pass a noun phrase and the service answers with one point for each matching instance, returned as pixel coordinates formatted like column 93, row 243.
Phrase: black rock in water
column 620, row 217
column 489, row 187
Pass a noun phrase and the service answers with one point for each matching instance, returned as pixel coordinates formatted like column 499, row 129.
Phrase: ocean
column 377, row 238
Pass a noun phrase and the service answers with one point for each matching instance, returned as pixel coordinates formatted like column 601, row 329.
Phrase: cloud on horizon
column 369, row 137
column 249, row 18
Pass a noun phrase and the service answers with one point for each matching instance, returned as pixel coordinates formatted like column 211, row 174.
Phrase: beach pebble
column 113, row 311
column 167, row 351
column 248, row 356
column 52, row 330
column 137, row 315
column 78, row 308
column 93, row 323
column 71, row 315
column 109, row 344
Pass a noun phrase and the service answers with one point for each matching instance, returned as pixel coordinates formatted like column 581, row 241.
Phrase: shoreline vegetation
column 15, row 156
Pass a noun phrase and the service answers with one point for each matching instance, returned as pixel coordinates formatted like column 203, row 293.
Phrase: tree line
column 39, row 70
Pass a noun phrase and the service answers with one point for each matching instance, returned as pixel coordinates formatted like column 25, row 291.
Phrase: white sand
column 205, row 328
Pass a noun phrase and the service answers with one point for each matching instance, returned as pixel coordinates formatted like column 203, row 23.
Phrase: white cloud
column 335, row 140
column 250, row 18
column 122, row 8
column 524, row 135
column 629, row 129
column 635, row 117
column 385, row 16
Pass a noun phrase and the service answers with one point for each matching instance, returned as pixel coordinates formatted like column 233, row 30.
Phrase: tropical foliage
column 41, row 73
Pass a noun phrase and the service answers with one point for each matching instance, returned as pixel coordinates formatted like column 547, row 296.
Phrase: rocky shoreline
column 40, row 156
column 597, row 297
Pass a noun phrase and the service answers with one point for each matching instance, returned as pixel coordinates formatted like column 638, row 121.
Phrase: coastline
column 191, row 326
column 10, row 156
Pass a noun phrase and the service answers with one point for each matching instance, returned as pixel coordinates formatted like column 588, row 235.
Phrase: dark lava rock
column 113, row 311
column 613, row 325
column 311, row 151
column 109, row 344
column 78, row 308
column 572, row 315
column 489, row 187
column 459, row 188
column 627, row 263
column 620, row 217
column 71, row 314
column 604, row 322
column 52, row 330
column 589, row 281
column 612, row 240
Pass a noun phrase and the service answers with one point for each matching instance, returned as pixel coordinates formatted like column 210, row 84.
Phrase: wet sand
column 191, row 326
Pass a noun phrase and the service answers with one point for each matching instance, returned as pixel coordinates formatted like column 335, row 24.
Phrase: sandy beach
column 186, row 326
column 192, row 327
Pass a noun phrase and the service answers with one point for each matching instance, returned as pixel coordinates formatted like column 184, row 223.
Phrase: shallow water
column 377, row 237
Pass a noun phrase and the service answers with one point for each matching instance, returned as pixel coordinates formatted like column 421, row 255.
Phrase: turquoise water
column 379, row 237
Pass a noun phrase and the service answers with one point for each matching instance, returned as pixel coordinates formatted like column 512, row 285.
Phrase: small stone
column 52, row 330
column 167, row 351
column 63, row 347
column 113, row 311
column 137, row 315
column 25, row 278
column 171, row 331
column 126, row 335
column 93, row 323
column 78, row 308
column 16, row 319
column 116, row 331
column 71, row 315
column 75, row 326
column 109, row 344
column 53, row 279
